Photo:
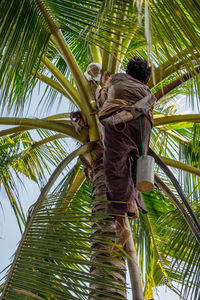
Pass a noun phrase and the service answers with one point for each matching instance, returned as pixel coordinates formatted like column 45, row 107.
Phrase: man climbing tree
column 125, row 142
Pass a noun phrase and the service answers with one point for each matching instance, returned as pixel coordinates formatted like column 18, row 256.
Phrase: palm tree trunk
column 103, row 228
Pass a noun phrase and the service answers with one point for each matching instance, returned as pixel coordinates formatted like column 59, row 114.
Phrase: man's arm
column 101, row 94
column 105, row 78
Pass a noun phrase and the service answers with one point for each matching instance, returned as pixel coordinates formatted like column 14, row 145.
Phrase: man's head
column 139, row 68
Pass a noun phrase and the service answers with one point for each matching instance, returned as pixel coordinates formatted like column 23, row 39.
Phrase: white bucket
column 145, row 173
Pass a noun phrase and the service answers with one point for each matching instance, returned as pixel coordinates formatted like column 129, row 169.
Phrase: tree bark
column 103, row 228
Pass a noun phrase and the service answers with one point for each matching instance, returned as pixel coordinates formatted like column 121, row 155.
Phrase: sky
column 9, row 231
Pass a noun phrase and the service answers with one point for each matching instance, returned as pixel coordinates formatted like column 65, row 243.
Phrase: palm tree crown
column 67, row 237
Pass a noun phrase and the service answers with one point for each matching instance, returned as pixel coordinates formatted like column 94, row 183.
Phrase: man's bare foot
column 123, row 234
column 133, row 212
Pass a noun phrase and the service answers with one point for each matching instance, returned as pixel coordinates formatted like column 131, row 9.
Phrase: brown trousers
column 123, row 146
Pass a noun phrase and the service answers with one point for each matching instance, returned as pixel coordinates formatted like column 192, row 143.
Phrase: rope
column 142, row 135
column 118, row 130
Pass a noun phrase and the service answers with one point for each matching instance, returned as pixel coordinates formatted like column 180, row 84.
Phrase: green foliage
column 20, row 155
column 23, row 36
column 170, row 250
column 53, row 259
column 55, row 251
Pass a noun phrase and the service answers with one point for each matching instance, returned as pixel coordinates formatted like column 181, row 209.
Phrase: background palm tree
column 66, row 233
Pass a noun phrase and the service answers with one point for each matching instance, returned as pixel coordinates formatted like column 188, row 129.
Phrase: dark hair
column 139, row 69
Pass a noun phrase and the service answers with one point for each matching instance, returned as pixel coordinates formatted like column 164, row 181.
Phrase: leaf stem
column 176, row 164
column 54, row 84
column 51, row 125
column 73, row 189
column 96, row 54
column 177, row 119
column 72, row 93
column 80, row 80
column 42, row 142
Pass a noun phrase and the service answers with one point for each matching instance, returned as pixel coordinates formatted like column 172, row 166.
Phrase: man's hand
column 105, row 78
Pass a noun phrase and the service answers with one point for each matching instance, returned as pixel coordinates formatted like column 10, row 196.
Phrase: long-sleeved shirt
column 120, row 91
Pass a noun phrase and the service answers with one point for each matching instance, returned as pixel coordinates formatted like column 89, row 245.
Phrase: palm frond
column 182, row 251
column 179, row 206
column 81, row 17
column 23, row 36
column 151, row 258
column 21, row 155
column 92, row 21
column 55, row 252
column 173, row 24
column 177, row 141
column 189, row 153
column 177, row 186
column 159, row 252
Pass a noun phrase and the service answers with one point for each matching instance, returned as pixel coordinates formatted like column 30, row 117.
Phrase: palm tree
column 66, row 246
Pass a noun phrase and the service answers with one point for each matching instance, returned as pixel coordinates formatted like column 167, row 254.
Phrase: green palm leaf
column 23, row 36
column 183, row 254
column 21, row 155
column 59, row 242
